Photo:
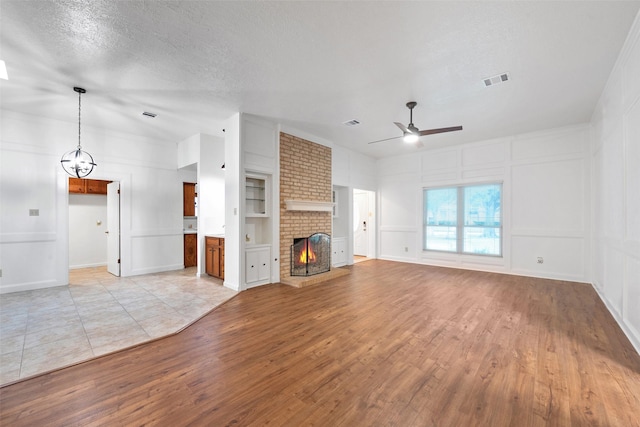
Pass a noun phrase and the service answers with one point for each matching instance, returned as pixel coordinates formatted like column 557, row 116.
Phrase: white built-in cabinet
column 258, row 229
column 260, row 245
column 338, row 251
column 257, row 265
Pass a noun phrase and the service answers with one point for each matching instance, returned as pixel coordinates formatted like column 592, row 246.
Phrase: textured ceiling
column 312, row 65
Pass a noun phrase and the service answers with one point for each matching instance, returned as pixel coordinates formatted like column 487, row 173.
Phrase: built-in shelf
column 307, row 205
column 255, row 196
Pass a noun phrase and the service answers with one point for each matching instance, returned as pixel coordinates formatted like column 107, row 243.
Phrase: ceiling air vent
column 351, row 123
column 494, row 80
column 148, row 114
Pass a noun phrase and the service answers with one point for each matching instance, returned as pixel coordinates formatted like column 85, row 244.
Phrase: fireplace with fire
column 311, row 255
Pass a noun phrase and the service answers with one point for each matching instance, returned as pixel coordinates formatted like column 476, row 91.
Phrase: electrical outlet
column 406, row 249
column 34, row 212
column 540, row 260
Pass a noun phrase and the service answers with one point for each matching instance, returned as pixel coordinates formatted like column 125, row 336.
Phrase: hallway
column 96, row 314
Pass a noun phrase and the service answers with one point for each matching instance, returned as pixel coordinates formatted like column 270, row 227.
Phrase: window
column 463, row 219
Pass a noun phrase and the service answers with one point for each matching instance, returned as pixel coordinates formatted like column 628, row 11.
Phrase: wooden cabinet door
column 209, row 260
column 216, row 261
column 190, row 250
column 215, row 257
column 95, row 186
column 76, row 185
column 189, row 202
column 221, row 259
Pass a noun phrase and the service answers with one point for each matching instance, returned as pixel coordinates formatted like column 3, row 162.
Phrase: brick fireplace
column 305, row 175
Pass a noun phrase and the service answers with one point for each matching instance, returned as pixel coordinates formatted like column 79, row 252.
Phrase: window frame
column 460, row 225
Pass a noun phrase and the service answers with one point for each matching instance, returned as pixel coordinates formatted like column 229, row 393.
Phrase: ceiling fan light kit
column 411, row 134
column 410, row 138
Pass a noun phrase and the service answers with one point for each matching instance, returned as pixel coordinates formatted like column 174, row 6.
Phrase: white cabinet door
column 258, row 266
column 264, row 266
column 251, row 267
column 338, row 252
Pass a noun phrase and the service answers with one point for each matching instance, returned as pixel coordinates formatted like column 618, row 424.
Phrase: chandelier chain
column 79, row 115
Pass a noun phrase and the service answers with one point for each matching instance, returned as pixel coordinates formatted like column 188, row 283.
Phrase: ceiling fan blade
column 386, row 139
column 402, row 127
column 441, row 130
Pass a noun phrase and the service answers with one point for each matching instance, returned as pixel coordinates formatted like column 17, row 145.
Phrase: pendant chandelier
column 78, row 163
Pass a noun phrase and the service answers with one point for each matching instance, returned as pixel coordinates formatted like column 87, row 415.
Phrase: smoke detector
column 494, row 80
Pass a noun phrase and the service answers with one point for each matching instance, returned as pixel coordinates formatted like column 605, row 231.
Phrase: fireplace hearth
column 311, row 255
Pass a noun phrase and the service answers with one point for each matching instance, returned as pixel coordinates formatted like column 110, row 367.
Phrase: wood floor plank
column 391, row 344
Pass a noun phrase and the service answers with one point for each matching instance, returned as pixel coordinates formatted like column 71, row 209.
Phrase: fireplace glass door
column 311, row 255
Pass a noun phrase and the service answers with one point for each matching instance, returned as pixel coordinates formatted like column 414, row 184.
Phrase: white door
column 113, row 225
column 360, row 225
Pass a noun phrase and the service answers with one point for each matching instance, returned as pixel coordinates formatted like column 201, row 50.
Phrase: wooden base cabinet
column 215, row 256
column 190, row 250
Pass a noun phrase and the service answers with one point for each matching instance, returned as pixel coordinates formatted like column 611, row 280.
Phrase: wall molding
column 29, row 286
column 44, row 236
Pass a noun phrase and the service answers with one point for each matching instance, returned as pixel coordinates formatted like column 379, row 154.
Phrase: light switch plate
column 34, row 212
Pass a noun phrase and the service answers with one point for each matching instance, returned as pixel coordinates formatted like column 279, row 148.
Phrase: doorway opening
column 94, row 224
column 364, row 225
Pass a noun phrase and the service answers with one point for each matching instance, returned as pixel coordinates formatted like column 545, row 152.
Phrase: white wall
column 211, row 194
column 87, row 226
column 546, row 201
column 233, row 252
column 615, row 156
column 31, row 178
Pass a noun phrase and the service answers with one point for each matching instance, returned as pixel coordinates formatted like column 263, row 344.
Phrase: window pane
column 482, row 205
column 440, row 238
column 482, row 240
column 441, row 206
column 464, row 219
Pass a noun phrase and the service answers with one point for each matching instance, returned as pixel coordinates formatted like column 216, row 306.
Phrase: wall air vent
column 351, row 123
column 148, row 114
column 494, row 80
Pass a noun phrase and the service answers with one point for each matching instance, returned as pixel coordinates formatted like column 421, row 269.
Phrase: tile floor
column 96, row 314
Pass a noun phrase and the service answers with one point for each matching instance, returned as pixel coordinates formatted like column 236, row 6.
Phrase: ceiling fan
column 411, row 134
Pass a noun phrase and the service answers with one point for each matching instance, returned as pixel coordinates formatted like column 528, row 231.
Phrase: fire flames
column 306, row 254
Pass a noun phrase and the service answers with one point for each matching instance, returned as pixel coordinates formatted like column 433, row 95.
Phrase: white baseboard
column 76, row 267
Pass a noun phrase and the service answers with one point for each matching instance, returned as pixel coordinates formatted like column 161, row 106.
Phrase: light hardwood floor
column 391, row 344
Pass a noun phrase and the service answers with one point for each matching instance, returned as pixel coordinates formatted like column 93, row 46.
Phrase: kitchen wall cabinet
column 87, row 186
column 189, row 199
column 95, row 186
column 190, row 250
column 77, row 185
column 257, row 265
column 214, row 256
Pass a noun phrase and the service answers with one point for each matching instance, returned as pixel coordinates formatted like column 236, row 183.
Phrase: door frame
column 110, row 230
column 124, row 181
column 371, row 222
